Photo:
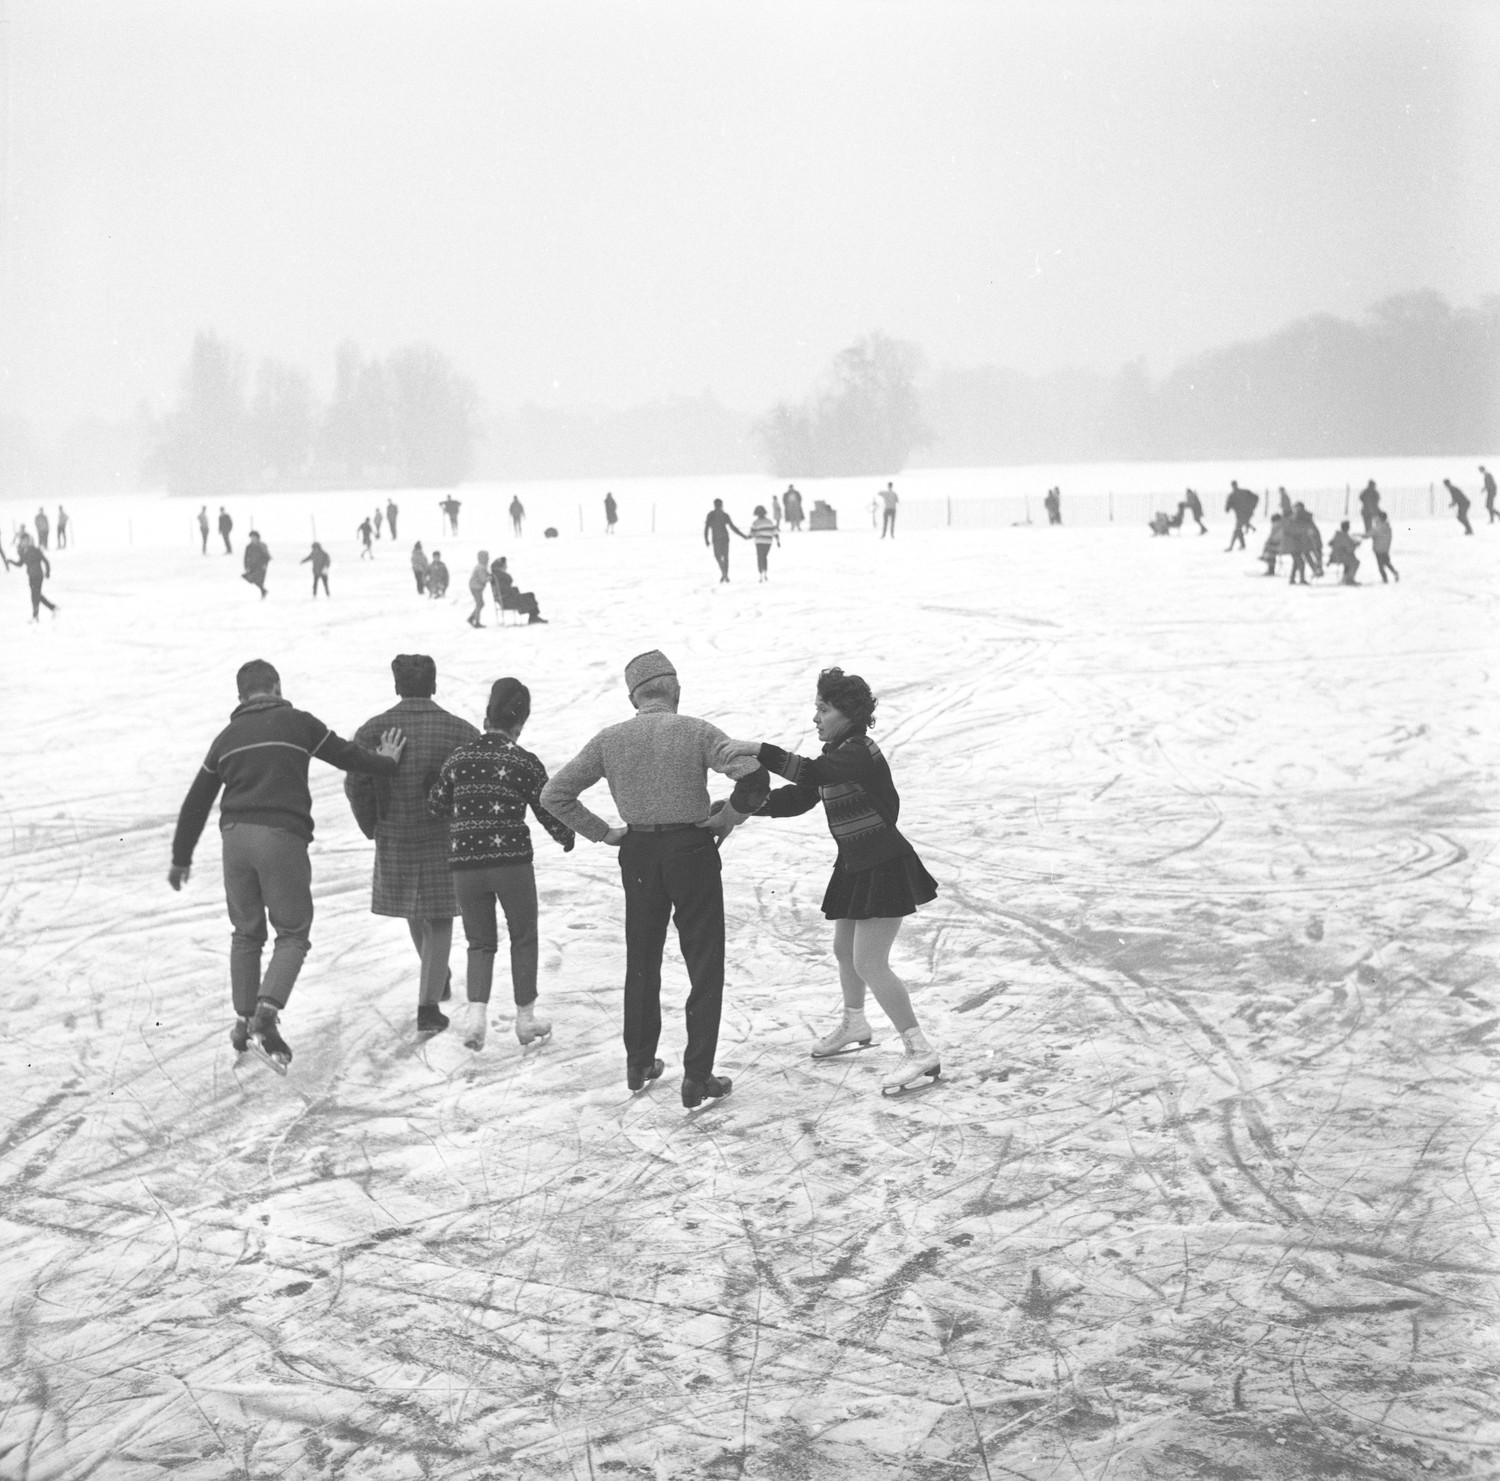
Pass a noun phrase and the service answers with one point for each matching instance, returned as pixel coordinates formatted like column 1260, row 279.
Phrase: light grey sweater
column 657, row 766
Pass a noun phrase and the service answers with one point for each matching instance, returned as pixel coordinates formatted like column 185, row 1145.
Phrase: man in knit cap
column 412, row 879
column 657, row 767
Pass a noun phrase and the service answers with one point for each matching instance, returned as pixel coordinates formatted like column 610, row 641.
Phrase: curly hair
column 849, row 695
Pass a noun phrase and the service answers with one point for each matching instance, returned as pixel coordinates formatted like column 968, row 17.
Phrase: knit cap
column 647, row 666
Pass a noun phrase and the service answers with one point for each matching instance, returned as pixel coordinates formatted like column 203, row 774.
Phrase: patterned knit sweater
column 853, row 781
column 484, row 789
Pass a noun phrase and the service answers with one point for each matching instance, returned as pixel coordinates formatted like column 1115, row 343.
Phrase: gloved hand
column 177, row 875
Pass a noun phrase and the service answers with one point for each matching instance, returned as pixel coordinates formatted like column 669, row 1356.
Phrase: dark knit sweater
column 484, row 789
column 853, row 781
column 260, row 760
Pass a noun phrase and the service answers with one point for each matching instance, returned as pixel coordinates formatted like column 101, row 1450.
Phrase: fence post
column 314, row 523
column 580, row 519
column 950, row 511
column 1431, row 500
column 653, row 519
column 1111, row 506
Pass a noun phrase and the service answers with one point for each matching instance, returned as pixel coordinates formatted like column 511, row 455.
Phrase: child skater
column 877, row 879
column 763, row 532
column 484, row 789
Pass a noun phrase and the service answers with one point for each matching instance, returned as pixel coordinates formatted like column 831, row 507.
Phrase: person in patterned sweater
column 412, row 881
column 878, row 880
column 483, row 789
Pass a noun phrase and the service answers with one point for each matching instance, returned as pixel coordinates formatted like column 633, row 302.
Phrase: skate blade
column 267, row 1058
column 536, row 1039
column 925, row 1081
column 853, row 1048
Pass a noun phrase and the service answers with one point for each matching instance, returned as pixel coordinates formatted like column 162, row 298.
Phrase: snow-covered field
column 1207, row 1187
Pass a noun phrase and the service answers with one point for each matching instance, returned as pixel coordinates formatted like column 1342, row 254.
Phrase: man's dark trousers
column 662, row 872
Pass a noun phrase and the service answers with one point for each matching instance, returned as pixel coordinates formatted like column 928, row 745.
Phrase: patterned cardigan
column 484, row 789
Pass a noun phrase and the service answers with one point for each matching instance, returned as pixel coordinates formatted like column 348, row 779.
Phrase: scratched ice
column 1207, row 1186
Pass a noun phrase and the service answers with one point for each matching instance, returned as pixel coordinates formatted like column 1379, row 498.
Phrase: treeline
column 1413, row 376
column 407, row 420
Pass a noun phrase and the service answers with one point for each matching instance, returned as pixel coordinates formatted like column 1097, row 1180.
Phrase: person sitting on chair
column 507, row 598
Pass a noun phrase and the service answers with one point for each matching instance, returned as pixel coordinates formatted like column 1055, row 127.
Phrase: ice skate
column 918, row 1063
column 528, row 1026
column 264, row 1038
column 476, row 1025
column 636, row 1075
column 852, row 1034
column 693, row 1091
column 239, row 1035
column 430, row 1019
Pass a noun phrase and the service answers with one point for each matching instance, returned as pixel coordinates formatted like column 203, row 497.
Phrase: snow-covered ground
column 1207, row 1187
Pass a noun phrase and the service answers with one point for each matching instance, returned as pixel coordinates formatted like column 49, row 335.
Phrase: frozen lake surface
column 1207, row 1187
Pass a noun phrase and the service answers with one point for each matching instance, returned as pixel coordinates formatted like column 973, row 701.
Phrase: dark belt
column 658, row 827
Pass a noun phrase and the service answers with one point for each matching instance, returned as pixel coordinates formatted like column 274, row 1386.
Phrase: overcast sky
column 608, row 203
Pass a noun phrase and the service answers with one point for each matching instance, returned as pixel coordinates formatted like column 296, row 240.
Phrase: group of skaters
column 372, row 527
column 446, row 803
column 31, row 556
column 497, row 581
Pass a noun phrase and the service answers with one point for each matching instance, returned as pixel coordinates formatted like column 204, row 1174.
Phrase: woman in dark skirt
column 878, row 880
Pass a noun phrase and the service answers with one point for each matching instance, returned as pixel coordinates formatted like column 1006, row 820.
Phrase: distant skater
column 483, row 791
column 1489, row 500
column 1369, row 502
column 43, row 527
column 1195, row 508
column 1341, row 553
column 1312, row 537
column 1284, row 500
column 420, row 566
column 321, row 560
column 257, row 558
column 611, row 514
column 1294, row 543
column 260, row 759
column 379, row 518
column 62, row 528
column 450, row 507
column 1380, row 543
column 437, row 576
column 508, row 598
column 411, row 880
column 877, row 881
column 716, row 528
column 38, row 567
column 1274, row 547
column 776, row 509
column 226, row 524
column 791, row 501
column 763, row 532
column 1053, row 505
column 1240, row 503
column 889, row 498
column 479, row 583
column 392, row 509
column 517, row 514
column 366, row 531
column 1458, row 501
column 203, row 526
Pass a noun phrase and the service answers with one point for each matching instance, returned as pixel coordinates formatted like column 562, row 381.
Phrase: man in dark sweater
column 412, row 879
column 657, row 767
column 260, row 759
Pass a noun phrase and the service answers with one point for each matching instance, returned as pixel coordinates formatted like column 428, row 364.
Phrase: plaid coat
column 412, row 878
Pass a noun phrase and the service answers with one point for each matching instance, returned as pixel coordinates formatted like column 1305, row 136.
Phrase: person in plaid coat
column 412, row 879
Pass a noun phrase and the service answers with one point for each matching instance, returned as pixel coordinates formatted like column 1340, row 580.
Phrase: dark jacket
column 853, row 781
column 260, row 760
column 484, row 789
column 257, row 556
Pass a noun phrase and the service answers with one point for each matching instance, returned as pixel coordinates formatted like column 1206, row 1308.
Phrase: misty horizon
column 610, row 206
